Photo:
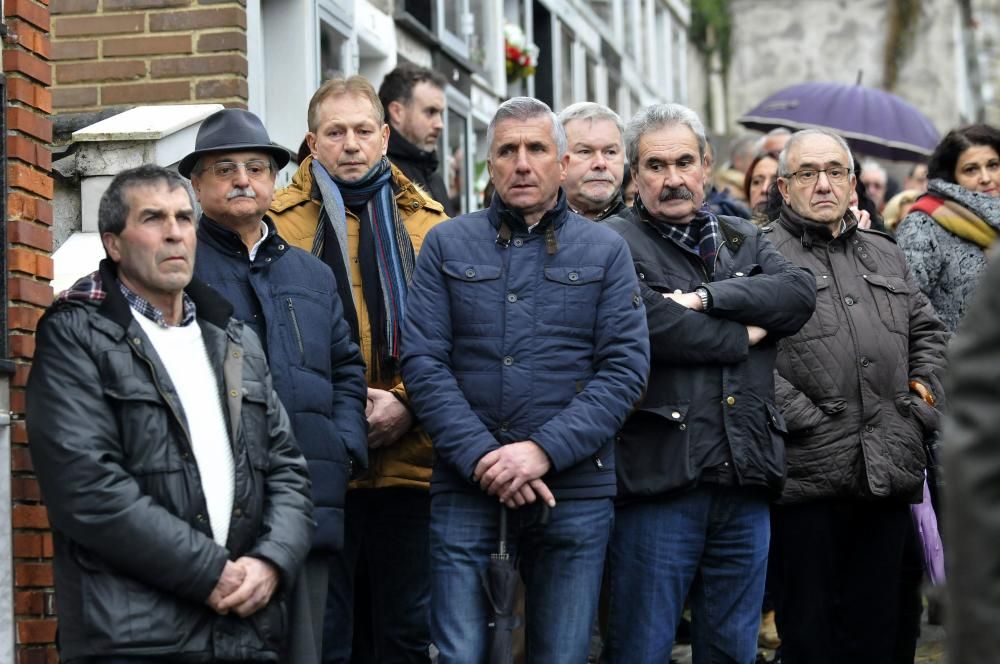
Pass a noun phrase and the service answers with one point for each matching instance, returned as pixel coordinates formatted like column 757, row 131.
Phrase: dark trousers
column 386, row 533
column 841, row 576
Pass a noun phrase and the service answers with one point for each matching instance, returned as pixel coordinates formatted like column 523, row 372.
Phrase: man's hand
column 756, row 334
column 388, row 419
column 505, row 470
column 259, row 581
column 231, row 579
column 689, row 300
column 529, row 493
column 863, row 217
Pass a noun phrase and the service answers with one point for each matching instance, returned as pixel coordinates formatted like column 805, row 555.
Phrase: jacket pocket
column 652, row 454
column 571, row 295
column 144, row 416
column 475, row 292
column 891, row 295
column 296, row 330
column 254, row 425
column 823, row 322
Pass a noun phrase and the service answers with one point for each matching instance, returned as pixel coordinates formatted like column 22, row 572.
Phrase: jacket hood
column 983, row 206
column 400, row 148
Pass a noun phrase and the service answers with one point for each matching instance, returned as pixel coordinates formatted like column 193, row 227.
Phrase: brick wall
column 122, row 53
column 26, row 54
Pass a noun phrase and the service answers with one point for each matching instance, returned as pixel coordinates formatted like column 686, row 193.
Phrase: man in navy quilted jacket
column 525, row 346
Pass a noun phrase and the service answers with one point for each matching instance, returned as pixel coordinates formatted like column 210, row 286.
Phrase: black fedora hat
column 228, row 130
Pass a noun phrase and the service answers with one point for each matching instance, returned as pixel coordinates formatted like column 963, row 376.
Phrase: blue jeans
column 561, row 564
column 710, row 543
column 388, row 528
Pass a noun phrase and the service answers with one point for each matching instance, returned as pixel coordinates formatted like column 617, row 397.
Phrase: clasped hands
column 755, row 334
column 514, row 473
column 245, row 587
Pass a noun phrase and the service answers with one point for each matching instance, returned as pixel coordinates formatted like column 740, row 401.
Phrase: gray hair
column 655, row 117
column 589, row 110
column 777, row 131
column 872, row 166
column 113, row 210
column 798, row 136
column 526, row 108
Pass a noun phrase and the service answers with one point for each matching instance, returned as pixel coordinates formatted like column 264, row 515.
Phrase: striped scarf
column 386, row 258
column 957, row 219
column 701, row 236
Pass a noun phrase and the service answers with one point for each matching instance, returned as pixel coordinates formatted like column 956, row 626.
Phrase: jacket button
column 865, row 361
column 518, row 242
column 234, row 393
column 470, row 273
column 849, row 300
column 237, row 512
column 869, row 428
column 504, row 425
column 415, row 205
column 281, row 247
column 511, row 297
column 200, row 517
column 675, row 415
column 683, row 427
column 731, row 401
column 138, row 341
column 739, row 274
column 236, row 353
column 833, row 250
column 573, row 276
column 507, row 361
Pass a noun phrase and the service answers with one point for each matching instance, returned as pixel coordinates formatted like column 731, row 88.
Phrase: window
column 457, row 162
column 333, row 52
column 565, row 72
column 453, row 24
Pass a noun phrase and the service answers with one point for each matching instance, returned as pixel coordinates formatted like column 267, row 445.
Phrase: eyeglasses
column 810, row 176
column 257, row 169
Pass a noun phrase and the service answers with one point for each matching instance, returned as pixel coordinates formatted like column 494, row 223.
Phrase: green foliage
column 711, row 29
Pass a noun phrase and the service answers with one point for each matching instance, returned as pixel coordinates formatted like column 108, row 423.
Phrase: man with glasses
column 290, row 300
column 702, row 453
column 857, row 387
column 595, row 163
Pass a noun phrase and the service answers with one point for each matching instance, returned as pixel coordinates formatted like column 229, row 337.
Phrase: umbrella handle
column 502, row 538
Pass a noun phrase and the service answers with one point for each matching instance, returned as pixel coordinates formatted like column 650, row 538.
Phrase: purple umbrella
column 873, row 121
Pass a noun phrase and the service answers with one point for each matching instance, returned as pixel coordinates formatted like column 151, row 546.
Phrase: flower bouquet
column 522, row 56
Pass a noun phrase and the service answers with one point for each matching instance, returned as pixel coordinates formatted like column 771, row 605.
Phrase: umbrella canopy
column 872, row 121
column 500, row 580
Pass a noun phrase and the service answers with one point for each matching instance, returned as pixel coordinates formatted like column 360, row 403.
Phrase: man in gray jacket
column 857, row 387
column 178, row 498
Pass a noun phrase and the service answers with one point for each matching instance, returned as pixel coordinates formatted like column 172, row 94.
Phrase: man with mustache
column 290, row 300
column 702, row 453
column 595, row 161
column 525, row 349
column 857, row 386
column 362, row 217
column 178, row 498
column 414, row 103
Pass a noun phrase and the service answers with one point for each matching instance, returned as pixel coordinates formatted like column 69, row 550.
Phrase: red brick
column 22, row 370
column 48, row 550
column 37, row 656
column 75, row 50
column 21, row 176
column 29, row 92
column 29, row 37
column 199, row 65
column 27, row 64
column 29, row 234
column 228, row 17
column 23, row 119
column 73, row 7
column 147, row 45
column 28, row 151
column 20, row 459
column 27, row 545
column 23, row 289
column 25, row 488
column 222, row 88
column 29, row 262
column 21, row 345
column 32, row 575
column 79, row 72
column 63, row 98
column 113, row 5
column 30, row 11
column 29, row 601
column 79, row 26
column 29, row 516
column 19, row 430
column 22, row 206
column 23, row 318
column 36, row 631
column 140, row 93
column 223, row 41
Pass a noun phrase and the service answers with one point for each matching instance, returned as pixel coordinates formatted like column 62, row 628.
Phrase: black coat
column 706, row 382
column 421, row 168
column 134, row 555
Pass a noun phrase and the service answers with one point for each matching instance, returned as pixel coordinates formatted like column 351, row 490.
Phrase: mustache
column 239, row 191
column 676, row 194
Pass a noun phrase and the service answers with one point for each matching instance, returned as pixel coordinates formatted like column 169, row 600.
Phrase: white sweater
column 183, row 353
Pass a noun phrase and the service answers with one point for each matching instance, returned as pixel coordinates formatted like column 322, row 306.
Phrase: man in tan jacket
column 352, row 208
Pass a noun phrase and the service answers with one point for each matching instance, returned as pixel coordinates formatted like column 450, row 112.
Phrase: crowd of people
column 300, row 427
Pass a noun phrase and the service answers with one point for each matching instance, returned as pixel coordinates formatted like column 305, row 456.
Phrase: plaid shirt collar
column 143, row 306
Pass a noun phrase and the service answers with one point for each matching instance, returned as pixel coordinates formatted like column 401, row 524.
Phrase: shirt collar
column 258, row 243
column 142, row 305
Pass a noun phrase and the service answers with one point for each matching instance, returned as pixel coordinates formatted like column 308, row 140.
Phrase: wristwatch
column 706, row 297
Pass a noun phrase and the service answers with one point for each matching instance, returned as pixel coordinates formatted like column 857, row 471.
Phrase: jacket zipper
column 295, row 328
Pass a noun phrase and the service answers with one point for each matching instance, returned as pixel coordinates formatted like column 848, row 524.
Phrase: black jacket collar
column 499, row 212
column 811, row 231
column 229, row 242
column 402, row 149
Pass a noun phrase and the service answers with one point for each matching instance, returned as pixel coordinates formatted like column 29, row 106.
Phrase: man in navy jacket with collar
column 525, row 347
column 289, row 298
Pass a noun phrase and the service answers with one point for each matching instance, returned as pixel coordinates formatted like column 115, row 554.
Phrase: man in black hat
column 289, row 298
